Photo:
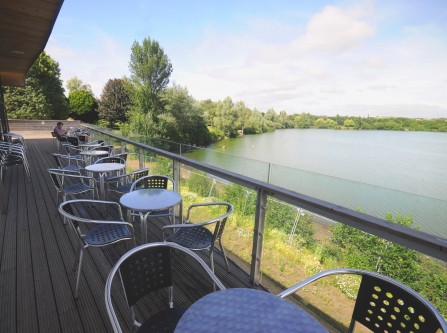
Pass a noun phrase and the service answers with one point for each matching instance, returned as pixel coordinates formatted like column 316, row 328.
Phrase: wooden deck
column 37, row 253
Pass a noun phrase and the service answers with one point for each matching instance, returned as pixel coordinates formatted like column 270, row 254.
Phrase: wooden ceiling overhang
column 25, row 27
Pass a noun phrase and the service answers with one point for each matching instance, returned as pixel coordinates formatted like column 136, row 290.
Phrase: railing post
column 258, row 235
column 111, row 141
column 141, row 157
column 123, row 147
column 176, row 173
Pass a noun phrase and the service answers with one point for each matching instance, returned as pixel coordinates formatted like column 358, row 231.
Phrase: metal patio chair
column 124, row 182
column 155, row 181
column 76, row 166
column 104, row 233
column 195, row 236
column 384, row 304
column 78, row 184
column 143, row 270
column 13, row 154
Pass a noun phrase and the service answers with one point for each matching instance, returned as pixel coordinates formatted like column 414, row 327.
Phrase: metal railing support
column 141, row 157
column 258, row 236
column 176, row 173
column 123, row 147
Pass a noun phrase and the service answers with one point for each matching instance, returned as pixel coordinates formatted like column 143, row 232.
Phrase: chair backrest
column 54, row 135
column 138, row 178
column 58, row 160
column 72, row 150
column 66, row 210
column 220, row 220
column 384, row 304
column 57, row 176
column 123, row 156
column 154, row 181
column 111, row 159
column 145, row 269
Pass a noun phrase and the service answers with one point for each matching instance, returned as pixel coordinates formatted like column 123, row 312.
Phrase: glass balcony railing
column 326, row 222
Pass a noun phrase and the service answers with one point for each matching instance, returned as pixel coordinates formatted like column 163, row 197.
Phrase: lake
column 376, row 171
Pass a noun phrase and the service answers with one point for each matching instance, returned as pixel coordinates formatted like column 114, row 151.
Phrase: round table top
column 246, row 310
column 94, row 152
column 105, row 167
column 150, row 199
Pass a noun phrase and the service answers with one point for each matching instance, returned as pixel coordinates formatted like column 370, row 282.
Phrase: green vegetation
column 291, row 245
column 83, row 105
column 43, row 96
column 115, row 102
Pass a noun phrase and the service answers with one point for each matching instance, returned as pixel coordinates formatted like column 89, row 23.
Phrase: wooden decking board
column 47, row 307
column 8, row 268
column 37, row 255
column 67, row 247
column 26, row 319
column 66, row 307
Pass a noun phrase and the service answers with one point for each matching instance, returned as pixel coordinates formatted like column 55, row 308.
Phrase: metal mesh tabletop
column 246, row 310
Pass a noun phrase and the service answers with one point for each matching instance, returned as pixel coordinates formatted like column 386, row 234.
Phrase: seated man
column 62, row 134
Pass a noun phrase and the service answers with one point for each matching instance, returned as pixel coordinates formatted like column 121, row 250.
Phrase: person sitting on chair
column 62, row 134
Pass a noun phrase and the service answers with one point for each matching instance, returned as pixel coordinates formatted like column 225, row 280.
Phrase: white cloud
column 375, row 63
column 335, row 30
column 381, row 87
column 94, row 66
column 332, row 90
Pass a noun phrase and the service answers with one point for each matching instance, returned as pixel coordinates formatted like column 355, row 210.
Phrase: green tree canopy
column 74, row 84
column 43, row 96
column 115, row 102
column 83, row 105
column 150, row 70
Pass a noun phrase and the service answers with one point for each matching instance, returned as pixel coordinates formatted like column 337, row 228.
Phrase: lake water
column 378, row 171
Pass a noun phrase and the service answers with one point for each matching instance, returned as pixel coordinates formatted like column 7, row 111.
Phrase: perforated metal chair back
column 384, row 304
column 112, row 159
column 123, row 156
column 146, row 269
column 153, row 181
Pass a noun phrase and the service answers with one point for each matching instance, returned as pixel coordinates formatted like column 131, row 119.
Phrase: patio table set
column 147, row 267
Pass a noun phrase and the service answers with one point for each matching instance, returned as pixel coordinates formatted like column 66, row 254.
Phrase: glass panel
column 241, row 165
column 428, row 213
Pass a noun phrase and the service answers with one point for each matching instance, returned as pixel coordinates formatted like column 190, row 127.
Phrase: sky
column 356, row 58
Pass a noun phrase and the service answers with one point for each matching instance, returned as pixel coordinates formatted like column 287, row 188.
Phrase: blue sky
column 323, row 57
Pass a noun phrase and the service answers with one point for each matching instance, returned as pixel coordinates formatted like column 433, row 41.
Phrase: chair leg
column 78, row 273
column 64, row 198
column 224, row 255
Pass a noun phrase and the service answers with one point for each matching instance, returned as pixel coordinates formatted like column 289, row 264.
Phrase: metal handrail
column 414, row 239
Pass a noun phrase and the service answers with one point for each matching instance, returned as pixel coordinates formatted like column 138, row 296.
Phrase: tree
column 83, row 105
column 115, row 102
column 349, row 123
column 365, row 251
column 74, row 84
column 150, row 70
column 43, row 96
column 183, row 119
column 226, row 118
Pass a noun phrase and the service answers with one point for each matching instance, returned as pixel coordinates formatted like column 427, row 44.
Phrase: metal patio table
column 102, row 169
column 246, row 310
column 94, row 153
column 149, row 200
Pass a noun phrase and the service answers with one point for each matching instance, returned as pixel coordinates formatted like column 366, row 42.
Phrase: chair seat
column 72, row 167
column 105, row 234
column 77, row 188
column 192, row 238
column 164, row 321
column 124, row 188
